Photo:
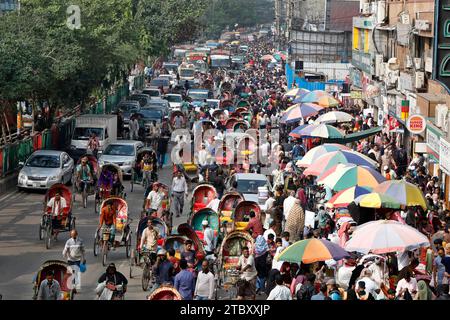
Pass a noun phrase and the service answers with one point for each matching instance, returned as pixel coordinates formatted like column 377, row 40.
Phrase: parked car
column 143, row 99
column 172, row 79
column 172, row 67
column 122, row 153
column 45, row 168
column 199, row 96
column 175, row 100
column 126, row 105
column 152, row 114
column 152, row 92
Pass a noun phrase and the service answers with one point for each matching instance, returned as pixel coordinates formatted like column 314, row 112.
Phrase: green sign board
column 441, row 69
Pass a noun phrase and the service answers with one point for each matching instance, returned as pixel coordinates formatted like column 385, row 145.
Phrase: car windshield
column 250, row 186
column 187, row 72
column 174, row 98
column 198, row 95
column 151, row 114
column 213, row 104
column 142, row 100
column 159, row 83
column 222, row 62
column 127, row 107
column 85, row 133
column 43, row 161
column 119, row 150
column 152, row 93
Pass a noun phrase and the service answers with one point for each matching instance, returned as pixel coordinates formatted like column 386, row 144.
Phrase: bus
column 186, row 71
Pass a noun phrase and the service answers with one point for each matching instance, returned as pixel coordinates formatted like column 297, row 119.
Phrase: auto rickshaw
column 228, row 203
column 165, row 292
column 172, row 117
column 202, row 195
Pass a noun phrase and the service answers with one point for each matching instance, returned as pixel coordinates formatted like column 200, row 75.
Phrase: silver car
column 122, row 153
column 45, row 168
column 247, row 184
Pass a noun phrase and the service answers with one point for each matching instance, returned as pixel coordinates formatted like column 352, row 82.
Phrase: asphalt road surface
column 22, row 253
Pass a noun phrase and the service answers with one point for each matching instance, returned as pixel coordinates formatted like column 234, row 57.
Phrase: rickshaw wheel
column 96, row 245
column 146, row 276
column 41, row 232
column 128, row 245
column 48, row 237
column 104, row 253
column 132, row 262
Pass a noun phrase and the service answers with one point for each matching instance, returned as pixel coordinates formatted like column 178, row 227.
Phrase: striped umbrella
column 312, row 155
column 377, row 200
column 314, row 96
column 312, row 250
column 334, row 117
column 343, row 198
column 317, row 131
column 295, row 92
column 327, row 101
column 404, row 192
column 301, row 93
column 343, row 176
column 299, row 111
column 333, row 158
column 267, row 57
column 384, row 236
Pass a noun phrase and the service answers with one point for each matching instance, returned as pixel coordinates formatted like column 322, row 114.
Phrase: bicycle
column 147, row 272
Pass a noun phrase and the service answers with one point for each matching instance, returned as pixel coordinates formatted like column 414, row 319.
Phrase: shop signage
column 356, row 94
column 416, row 124
column 444, row 156
column 432, row 143
column 441, row 71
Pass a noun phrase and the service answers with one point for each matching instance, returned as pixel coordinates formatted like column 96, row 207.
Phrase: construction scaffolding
column 321, row 46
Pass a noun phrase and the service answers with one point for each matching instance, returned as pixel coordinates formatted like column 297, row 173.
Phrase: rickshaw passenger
column 49, row 288
column 56, row 206
column 108, row 219
column 147, row 167
column 84, row 174
column 116, row 185
column 106, row 180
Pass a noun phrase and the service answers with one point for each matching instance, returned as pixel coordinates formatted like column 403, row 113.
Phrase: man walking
column 204, row 288
column 179, row 190
column 185, row 281
column 75, row 254
column 134, row 128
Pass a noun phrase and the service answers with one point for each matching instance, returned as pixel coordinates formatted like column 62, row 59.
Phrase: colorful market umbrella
column 312, row 250
column 377, row 200
column 295, row 92
column 334, row 117
column 343, row 176
column 327, row 161
column 267, row 57
column 404, row 192
column 299, row 111
column 343, row 198
column 384, row 236
column 312, row 155
column 279, row 56
column 327, row 101
column 314, row 96
column 317, row 131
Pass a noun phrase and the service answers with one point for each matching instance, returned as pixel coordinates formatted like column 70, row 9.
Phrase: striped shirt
column 74, row 250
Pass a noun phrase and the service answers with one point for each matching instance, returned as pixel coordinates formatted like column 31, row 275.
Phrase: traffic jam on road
column 221, row 179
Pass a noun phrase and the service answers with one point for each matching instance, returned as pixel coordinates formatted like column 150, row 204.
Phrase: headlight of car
column 22, row 176
column 73, row 147
column 127, row 163
column 53, row 178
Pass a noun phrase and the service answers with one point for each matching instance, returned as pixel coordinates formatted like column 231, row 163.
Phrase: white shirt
column 202, row 157
column 287, row 206
column 179, row 184
column 277, row 264
column 371, row 286
column 403, row 284
column 377, row 273
column 205, row 285
column 280, row 293
column 74, row 250
column 155, row 199
column 251, row 272
column 208, row 235
column 57, row 206
column 343, row 276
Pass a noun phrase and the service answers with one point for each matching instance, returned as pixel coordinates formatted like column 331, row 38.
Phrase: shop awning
column 355, row 136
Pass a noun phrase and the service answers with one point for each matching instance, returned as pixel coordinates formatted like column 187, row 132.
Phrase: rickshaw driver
column 56, row 206
column 147, row 168
column 149, row 240
column 108, row 220
column 84, row 174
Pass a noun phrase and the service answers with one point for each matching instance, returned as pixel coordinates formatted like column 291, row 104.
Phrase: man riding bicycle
column 149, row 240
column 84, row 174
column 56, row 207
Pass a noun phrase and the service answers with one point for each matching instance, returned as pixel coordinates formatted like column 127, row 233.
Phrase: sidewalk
column 8, row 183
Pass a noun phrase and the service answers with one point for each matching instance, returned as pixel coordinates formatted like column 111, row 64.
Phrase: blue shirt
column 163, row 273
column 185, row 284
column 318, row 296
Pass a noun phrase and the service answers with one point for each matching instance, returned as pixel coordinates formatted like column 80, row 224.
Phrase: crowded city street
column 223, row 171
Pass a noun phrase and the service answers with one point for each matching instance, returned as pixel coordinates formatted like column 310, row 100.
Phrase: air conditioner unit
column 441, row 115
column 378, row 62
column 422, row 25
column 420, row 79
column 429, row 64
column 408, row 63
column 418, row 63
column 366, row 8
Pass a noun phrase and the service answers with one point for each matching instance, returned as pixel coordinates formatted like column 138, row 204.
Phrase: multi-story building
column 393, row 53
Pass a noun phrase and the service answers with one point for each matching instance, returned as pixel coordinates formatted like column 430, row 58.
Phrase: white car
column 153, row 93
column 175, row 101
column 248, row 184
column 122, row 153
column 45, row 168
column 172, row 79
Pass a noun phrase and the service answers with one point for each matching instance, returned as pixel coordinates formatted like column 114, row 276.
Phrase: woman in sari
column 295, row 222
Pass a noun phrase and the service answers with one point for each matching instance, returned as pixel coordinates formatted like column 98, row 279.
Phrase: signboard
column 432, row 143
column 356, row 94
column 416, row 124
column 444, row 156
column 441, row 69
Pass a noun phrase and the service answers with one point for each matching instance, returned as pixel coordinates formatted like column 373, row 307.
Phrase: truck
column 199, row 59
column 220, row 59
column 103, row 125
